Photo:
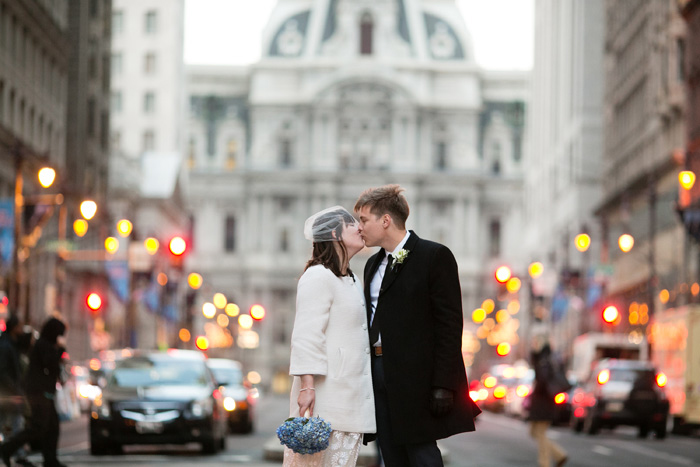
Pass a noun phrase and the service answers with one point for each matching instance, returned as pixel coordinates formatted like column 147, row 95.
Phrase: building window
column 230, row 234
column 94, row 8
column 151, row 26
column 91, row 117
column 116, row 140
column 149, row 102
column 284, row 240
column 496, row 158
column 149, row 140
column 495, row 237
column 2, row 99
column 117, row 22
column 441, row 155
column 231, row 150
column 366, row 30
column 285, row 153
column 116, row 63
column 680, row 54
column 149, row 63
column 104, row 130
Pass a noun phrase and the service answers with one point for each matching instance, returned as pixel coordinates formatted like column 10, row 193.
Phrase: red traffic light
column 177, row 246
column 610, row 314
column 257, row 312
column 94, row 301
column 503, row 273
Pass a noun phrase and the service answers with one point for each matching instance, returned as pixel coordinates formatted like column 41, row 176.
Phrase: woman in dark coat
column 543, row 409
column 43, row 374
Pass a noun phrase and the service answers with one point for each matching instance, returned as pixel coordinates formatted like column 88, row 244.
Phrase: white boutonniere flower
column 399, row 258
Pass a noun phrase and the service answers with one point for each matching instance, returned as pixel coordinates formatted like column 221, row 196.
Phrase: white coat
column 330, row 341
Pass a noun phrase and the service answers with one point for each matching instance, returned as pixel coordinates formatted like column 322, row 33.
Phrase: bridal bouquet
column 305, row 435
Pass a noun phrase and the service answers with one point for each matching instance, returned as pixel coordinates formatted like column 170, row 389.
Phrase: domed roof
column 422, row 30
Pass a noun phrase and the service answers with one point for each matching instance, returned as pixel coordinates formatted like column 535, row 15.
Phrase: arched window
column 366, row 30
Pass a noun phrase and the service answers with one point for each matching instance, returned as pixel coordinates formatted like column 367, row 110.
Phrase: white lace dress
column 342, row 451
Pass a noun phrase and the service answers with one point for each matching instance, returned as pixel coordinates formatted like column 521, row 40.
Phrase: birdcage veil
column 327, row 225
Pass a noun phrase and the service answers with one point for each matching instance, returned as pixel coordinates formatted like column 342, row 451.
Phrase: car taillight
column 474, row 395
column 561, row 398
column 661, row 380
column 603, row 377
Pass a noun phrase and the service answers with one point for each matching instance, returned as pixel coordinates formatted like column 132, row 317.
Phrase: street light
column 88, row 209
column 46, row 176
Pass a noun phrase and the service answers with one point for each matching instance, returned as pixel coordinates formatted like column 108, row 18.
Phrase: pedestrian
column 42, row 375
column 12, row 397
column 330, row 358
column 543, row 409
column 414, row 306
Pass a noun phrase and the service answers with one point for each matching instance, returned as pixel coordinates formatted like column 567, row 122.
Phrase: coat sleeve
column 314, row 300
column 446, row 306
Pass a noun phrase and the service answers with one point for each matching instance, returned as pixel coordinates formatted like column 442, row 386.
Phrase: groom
column 414, row 307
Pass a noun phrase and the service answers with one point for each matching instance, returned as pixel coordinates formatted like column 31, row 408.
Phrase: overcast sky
column 228, row 32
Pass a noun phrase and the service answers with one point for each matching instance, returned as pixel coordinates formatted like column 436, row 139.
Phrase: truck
column 674, row 336
column 591, row 347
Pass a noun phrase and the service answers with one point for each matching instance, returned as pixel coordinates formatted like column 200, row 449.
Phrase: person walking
column 42, row 375
column 543, row 409
column 12, row 397
column 414, row 306
column 329, row 357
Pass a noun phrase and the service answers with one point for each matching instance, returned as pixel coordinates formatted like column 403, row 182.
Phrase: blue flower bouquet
column 305, row 435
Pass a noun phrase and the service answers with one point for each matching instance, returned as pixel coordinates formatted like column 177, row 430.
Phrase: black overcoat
column 419, row 314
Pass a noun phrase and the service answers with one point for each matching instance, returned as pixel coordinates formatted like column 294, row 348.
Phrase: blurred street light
column 124, row 227
column 686, row 178
column 536, row 269
column 503, row 273
column 46, row 176
column 626, row 242
column 151, row 245
column 80, row 227
column 88, row 209
column 111, row 245
column 582, row 241
column 194, row 280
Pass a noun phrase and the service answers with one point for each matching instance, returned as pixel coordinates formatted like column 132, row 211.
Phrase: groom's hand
column 441, row 401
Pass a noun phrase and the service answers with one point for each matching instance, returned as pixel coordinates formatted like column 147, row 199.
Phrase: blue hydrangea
column 305, row 435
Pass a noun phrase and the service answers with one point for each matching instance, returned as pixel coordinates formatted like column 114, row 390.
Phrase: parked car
column 152, row 397
column 621, row 392
column 239, row 401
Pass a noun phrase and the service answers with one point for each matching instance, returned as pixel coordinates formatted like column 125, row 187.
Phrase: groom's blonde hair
column 385, row 199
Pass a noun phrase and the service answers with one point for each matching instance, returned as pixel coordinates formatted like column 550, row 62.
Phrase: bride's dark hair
column 325, row 253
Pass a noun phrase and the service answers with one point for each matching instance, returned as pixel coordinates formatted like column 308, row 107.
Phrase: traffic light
column 257, row 312
column 177, row 246
column 611, row 315
column 94, row 302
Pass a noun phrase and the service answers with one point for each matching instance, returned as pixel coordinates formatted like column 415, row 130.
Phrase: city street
column 500, row 441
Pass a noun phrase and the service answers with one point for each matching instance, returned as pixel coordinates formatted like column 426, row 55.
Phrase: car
column 621, row 392
column 239, row 400
column 158, row 397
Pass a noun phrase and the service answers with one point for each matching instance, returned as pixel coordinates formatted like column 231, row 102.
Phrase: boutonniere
column 399, row 258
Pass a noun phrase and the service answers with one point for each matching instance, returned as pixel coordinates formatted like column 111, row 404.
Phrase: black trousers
column 397, row 455
column 43, row 429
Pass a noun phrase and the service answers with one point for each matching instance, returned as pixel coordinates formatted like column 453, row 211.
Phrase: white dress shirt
column 376, row 283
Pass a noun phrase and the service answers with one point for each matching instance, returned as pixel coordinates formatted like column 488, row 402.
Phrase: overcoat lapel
column 393, row 273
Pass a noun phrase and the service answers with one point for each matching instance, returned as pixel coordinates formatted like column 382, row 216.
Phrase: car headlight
column 229, row 404
column 202, row 407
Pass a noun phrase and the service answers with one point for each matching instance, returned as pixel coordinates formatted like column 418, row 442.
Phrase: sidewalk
column 273, row 451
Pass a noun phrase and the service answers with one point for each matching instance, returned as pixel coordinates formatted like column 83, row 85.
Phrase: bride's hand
column 306, row 401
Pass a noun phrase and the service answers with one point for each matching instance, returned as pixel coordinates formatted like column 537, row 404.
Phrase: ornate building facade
column 350, row 95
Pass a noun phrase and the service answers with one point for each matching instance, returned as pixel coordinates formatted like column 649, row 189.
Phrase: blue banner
column 7, row 231
column 118, row 273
